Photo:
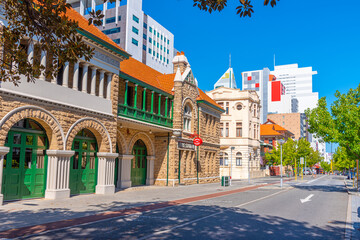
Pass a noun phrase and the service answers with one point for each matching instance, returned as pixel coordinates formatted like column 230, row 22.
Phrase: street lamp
column 281, row 141
column 232, row 148
column 249, row 167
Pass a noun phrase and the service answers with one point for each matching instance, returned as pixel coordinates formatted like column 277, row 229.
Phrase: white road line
column 349, row 225
column 211, row 215
column 315, row 179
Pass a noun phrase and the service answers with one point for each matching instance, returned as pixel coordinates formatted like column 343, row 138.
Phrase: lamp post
column 281, row 141
column 249, row 167
column 231, row 149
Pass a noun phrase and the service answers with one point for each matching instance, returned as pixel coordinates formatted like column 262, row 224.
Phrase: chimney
column 180, row 61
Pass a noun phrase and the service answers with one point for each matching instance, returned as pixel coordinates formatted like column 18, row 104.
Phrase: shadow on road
column 230, row 223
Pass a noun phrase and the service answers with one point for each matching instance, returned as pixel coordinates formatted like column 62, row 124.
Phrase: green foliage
column 292, row 151
column 341, row 124
column 45, row 24
column 341, row 160
column 326, row 166
column 244, row 9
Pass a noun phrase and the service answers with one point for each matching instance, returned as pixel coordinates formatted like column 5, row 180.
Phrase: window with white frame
column 238, row 159
column 226, row 159
column 187, row 118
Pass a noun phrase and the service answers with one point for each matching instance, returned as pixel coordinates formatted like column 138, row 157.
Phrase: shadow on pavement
column 229, row 223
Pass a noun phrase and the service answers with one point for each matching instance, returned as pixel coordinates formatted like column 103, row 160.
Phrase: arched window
column 226, row 159
column 187, row 118
column 238, row 159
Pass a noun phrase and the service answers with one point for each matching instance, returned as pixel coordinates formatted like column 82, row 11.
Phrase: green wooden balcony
column 138, row 114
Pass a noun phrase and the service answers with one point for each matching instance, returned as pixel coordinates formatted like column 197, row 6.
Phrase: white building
column 137, row 33
column 298, row 84
column 239, row 132
column 258, row 81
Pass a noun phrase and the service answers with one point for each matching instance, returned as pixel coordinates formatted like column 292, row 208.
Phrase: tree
column 326, row 166
column 244, row 9
column 341, row 160
column 45, row 22
column 292, row 151
column 341, row 124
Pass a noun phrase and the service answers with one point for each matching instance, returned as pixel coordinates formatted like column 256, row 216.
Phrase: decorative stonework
column 106, row 59
column 146, row 139
column 96, row 127
column 51, row 125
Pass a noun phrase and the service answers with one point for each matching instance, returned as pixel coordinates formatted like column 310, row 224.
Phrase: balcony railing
column 141, row 115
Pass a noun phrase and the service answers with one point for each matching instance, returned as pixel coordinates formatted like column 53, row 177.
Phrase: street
column 315, row 209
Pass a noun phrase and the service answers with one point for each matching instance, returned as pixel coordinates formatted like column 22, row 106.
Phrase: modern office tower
column 226, row 80
column 258, row 80
column 298, row 84
column 139, row 34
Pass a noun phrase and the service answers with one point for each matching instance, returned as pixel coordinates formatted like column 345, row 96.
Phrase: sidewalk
column 353, row 231
column 18, row 214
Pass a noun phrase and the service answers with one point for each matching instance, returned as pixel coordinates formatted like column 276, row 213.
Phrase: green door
column 138, row 164
column 83, row 165
column 24, row 170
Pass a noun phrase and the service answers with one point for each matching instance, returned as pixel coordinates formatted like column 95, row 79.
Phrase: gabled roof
column 84, row 25
column 164, row 82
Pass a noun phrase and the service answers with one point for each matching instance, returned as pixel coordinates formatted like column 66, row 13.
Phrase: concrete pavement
column 261, row 212
column 32, row 212
column 353, row 228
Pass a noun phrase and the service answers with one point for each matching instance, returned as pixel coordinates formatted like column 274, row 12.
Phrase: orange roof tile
column 268, row 130
column 84, row 24
column 205, row 97
column 148, row 75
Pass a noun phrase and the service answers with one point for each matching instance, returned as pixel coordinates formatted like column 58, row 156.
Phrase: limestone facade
column 239, row 132
column 125, row 123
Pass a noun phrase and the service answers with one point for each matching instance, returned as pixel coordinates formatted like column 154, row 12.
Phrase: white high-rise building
column 137, row 33
column 258, row 80
column 298, row 84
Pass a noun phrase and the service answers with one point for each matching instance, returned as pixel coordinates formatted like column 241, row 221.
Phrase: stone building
column 239, row 132
column 271, row 133
column 110, row 122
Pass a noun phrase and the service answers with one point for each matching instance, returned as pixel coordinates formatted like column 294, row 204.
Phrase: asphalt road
column 264, row 213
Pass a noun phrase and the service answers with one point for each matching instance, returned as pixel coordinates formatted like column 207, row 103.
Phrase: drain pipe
column 167, row 168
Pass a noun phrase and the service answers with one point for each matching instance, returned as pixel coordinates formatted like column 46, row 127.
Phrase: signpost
column 302, row 169
column 197, row 142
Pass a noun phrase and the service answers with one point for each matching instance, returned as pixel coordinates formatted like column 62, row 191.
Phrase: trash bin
column 225, row 181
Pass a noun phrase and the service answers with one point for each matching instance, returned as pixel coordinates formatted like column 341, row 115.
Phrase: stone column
column 30, row 53
column 124, row 180
column 106, row 171
column 65, row 82
column 76, row 76
column 108, row 86
column 101, row 83
column 84, row 77
column 43, row 63
column 150, row 170
column 58, row 170
column 3, row 152
column 93, row 80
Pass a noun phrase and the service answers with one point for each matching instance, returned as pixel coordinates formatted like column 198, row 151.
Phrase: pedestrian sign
column 301, row 160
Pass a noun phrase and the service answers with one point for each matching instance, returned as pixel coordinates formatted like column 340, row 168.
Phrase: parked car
column 307, row 172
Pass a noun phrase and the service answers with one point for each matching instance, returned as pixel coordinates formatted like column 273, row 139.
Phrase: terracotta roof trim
column 212, row 105
column 102, row 42
column 143, row 84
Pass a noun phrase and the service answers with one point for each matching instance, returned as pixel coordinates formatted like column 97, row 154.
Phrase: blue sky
column 321, row 34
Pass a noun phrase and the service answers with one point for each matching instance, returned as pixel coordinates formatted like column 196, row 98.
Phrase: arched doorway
column 83, row 165
column 25, row 165
column 138, row 164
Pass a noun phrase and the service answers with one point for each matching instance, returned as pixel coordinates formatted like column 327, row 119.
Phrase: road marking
column 307, row 199
column 211, row 215
column 315, row 179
